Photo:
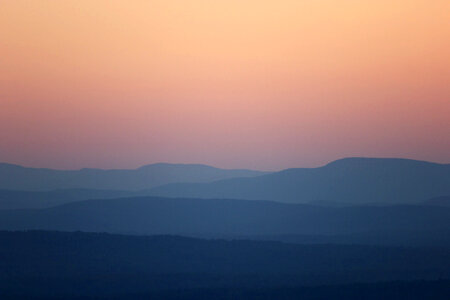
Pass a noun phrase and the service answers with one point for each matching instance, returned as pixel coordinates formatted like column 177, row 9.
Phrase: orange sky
column 265, row 84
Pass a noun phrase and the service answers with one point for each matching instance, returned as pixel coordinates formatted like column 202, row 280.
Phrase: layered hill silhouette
column 16, row 177
column 51, row 264
column 350, row 181
column 215, row 218
column 347, row 181
column 11, row 199
column 355, row 227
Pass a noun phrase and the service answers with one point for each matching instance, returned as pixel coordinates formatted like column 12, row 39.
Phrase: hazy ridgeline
column 22, row 178
column 359, row 228
column 346, row 181
column 400, row 224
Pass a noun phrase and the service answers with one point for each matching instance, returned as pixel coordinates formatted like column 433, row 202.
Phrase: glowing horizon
column 236, row 84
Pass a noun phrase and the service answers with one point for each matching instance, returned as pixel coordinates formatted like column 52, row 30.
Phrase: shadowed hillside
column 212, row 217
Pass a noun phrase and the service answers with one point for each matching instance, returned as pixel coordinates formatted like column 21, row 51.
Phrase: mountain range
column 352, row 181
column 15, row 177
column 233, row 218
column 349, row 181
column 356, row 228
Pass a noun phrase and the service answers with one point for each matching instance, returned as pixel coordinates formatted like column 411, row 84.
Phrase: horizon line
column 222, row 168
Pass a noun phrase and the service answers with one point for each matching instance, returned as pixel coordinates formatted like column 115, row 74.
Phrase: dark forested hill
column 352, row 180
column 20, row 178
column 56, row 264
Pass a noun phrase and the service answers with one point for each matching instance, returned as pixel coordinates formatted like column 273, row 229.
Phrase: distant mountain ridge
column 12, row 199
column 15, row 177
column 350, row 180
column 343, row 182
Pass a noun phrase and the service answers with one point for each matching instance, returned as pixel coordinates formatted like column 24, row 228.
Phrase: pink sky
column 248, row 84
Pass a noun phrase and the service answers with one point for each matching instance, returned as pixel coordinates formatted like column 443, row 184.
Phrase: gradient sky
column 256, row 84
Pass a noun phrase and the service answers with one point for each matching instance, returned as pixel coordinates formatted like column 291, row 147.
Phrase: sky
column 266, row 84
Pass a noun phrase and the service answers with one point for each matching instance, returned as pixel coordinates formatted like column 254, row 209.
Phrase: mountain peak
column 174, row 165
